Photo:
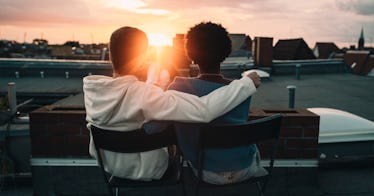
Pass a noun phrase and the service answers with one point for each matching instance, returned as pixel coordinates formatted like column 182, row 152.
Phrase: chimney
column 262, row 51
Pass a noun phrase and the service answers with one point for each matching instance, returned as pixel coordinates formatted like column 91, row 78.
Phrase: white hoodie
column 124, row 104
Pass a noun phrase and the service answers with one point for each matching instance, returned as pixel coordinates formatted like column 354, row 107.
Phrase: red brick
column 292, row 117
column 74, row 117
column 78, row 140
column 46, row 117
column 312, row 154
column 270, row 144
column 48, row 146
column 298, row 154
column 77, row 151
column 291, row 131
column 85, row 131
column 63, row 129
column 37, row 129
column 289, row 154
column 300, row 121
column 266, row 147
column 302, row 143
column 299, row 132
column 65, row 132
column 49, row 114
column 78, row 145
column 312, row 131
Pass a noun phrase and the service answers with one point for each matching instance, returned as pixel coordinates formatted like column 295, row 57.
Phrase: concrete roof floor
column 344, row 91
column 347, row 92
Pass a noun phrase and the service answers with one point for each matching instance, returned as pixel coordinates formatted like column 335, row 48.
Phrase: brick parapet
column 59, row 132
column 62, row 132
column 298, row 136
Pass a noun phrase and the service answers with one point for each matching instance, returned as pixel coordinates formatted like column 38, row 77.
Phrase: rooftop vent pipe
column 12, row 98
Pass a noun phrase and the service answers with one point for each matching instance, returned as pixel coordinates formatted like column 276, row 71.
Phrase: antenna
column 24, row 37
column 92, row 39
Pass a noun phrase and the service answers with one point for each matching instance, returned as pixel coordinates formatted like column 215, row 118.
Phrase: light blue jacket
column 215, row 160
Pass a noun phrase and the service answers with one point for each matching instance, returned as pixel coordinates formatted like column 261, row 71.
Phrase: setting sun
column 159, row 39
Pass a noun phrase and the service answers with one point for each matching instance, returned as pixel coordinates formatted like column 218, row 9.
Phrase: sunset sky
column 88, row 21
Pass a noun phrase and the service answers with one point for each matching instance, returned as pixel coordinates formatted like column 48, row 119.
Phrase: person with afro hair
column 207, row 45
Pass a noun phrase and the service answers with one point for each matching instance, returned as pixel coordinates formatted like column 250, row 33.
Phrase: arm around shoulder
column 178, row 106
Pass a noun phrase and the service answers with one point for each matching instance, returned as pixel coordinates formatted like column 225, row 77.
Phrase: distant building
column 41, row 43
column 241, row 45
column 361, row 62
column 292, row 49
column 72, row 43
column 325, row 50
column 237, row 40
column 247, row 45
column 369, row 66
column 61, row 52
column 361, row 40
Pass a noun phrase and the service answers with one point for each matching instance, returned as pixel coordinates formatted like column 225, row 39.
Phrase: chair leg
column 183, row 189
column 110, row 189
column 259, row 188
column 181, row 175
column 197, row 190
column 117, row 191
column 197, row 186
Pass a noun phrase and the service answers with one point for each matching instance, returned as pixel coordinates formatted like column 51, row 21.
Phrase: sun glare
column 159, row 39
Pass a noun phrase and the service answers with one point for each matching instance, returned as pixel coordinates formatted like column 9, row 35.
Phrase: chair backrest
column 218, row 136
column 236, row 135
column 131, row 141
column 128, row 142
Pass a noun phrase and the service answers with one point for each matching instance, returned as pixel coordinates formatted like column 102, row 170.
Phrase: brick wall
column 62, row 132
column 59, row 132
column 298, row 136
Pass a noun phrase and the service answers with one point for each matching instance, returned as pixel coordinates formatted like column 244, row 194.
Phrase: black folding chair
column 134, row 142
column 235, row 135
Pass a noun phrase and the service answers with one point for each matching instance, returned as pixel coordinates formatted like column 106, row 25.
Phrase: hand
column 255, row 78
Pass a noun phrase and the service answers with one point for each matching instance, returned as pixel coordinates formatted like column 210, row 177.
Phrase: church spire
column 361, row 40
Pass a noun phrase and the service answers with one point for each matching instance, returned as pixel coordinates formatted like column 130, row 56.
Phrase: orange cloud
column 318, row 20
column 135, row 6
column 35, row 12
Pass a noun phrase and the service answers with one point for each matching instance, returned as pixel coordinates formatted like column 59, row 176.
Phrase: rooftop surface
column 343, row 91
column 48, row 85
column 284, row 182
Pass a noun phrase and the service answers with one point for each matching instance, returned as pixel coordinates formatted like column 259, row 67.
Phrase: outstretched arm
column 178, row 106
